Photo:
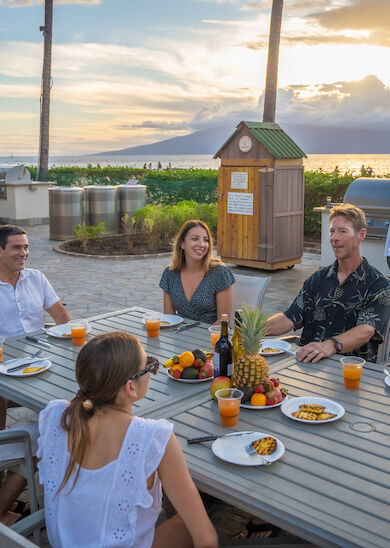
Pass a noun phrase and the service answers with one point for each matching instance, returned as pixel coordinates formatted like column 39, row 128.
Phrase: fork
column 252, row 451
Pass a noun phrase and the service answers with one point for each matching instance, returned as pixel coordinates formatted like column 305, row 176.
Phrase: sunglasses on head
column 152, row 365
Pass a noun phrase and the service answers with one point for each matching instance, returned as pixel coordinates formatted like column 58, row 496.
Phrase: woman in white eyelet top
column 102, row 468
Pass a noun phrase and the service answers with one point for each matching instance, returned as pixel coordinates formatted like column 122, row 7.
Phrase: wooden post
column 43, row 164
column 272, row 64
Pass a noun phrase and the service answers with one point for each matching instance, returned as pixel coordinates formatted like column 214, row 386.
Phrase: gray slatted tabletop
column 59, row 381
column 332, row 486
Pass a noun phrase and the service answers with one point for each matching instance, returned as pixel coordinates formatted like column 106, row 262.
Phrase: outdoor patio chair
column 384, row 348
column 22, row 465
column 249, row 290
column 11, row 539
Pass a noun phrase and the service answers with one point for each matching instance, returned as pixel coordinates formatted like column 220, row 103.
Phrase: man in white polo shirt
column 25, row 293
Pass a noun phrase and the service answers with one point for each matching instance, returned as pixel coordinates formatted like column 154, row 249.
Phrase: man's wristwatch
column 338, row 345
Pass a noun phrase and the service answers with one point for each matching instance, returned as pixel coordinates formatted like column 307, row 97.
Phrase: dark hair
column 103, row 365
column 352, row 213
column 178, row 258
column 9, row 230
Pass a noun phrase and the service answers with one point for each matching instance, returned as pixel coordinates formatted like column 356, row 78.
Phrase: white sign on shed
column 240, row 203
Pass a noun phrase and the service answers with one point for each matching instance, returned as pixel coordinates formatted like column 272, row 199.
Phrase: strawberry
column 284, row 392
column 202, row 375
column 198, row 363
column 275, row 382
column 176, row 373
column 259, row 389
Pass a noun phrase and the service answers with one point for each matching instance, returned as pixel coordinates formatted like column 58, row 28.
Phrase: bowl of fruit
column 190, row 367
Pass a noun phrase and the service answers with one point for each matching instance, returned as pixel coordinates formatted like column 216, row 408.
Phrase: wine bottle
column 238, row 349
column 223, row 352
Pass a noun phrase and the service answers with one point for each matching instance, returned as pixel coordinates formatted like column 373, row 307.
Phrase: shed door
column 238, row 212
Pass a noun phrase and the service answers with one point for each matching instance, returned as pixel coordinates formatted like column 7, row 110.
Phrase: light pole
column 43, row 161
column 272, row 64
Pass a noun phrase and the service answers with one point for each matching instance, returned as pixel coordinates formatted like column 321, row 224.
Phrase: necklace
column 114, row 408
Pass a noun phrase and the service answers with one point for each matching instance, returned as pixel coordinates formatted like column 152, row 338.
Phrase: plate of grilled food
column 233, row 448
column 312, row 410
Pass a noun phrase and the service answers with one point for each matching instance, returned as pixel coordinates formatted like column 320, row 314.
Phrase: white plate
column 62, row 331
column 256, row 407
column 188, row 380
column 292, row 405
column 171, row 319
column 42, row 363
column 387, row 380
column 274, row 343
column 231, row 449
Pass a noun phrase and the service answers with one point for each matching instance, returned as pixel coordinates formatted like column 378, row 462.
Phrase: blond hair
column 352, row 213
column 103, row 365
column 178, row 257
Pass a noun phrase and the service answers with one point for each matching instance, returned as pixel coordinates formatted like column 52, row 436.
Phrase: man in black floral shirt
column 342, row 308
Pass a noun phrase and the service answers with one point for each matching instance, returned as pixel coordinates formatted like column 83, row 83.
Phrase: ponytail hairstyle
column 103, row 366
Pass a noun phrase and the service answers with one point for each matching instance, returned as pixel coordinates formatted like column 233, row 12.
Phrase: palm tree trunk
column 272, row 64
column 43, row 164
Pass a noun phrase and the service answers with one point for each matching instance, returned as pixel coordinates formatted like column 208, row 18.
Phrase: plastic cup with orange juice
column 78, row 329
column 352, row 371
column 1, row 349
column 215, row 333
column 152, row 323
column 229, row 400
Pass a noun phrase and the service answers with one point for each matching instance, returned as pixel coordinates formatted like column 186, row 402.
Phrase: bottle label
column 229, row 369
column 217, row 369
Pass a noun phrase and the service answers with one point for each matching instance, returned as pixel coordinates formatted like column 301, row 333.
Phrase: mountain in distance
column 311, row 139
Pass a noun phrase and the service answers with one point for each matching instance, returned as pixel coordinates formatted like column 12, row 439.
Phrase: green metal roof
column 272, row 136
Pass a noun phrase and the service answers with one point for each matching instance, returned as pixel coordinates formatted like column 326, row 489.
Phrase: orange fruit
column 186, row 359
column 258, row 400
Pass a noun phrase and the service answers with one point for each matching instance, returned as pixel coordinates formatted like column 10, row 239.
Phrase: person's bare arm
column 168, row 305
column 59, row 313
column 224, row 303
column 184, row 496
column 278, row 324
column 351, row 339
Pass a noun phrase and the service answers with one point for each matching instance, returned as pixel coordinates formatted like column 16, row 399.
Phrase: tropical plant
column 88, row 234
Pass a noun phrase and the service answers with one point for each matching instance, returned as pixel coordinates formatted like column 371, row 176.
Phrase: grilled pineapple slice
column 305, row 415
column 312, row 408
column 325, row 416
column 265, row 446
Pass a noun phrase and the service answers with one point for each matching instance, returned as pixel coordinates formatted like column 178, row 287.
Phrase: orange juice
column 152, row 327
column 214, row 337
column 229, row 410
column 352, row 373
column 79, row 333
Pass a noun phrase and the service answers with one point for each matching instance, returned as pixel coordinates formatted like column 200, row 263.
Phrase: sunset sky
column 132, row 72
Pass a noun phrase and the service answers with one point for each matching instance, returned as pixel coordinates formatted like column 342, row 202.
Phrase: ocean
column 379, row 163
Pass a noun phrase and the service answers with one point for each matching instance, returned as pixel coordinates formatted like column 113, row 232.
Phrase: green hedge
column 163, row 222
column 200, row 185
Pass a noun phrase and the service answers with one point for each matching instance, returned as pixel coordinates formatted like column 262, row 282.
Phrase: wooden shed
column 260, row 197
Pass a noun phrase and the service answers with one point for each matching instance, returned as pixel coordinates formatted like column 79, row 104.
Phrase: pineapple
column 250, row 368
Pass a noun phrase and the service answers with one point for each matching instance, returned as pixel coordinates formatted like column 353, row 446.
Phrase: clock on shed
column 245, row 143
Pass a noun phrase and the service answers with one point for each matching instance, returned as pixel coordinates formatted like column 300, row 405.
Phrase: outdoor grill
column 12, row 174
column 373, row 197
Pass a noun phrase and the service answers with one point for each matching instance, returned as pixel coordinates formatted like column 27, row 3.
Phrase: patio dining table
column 332, row 485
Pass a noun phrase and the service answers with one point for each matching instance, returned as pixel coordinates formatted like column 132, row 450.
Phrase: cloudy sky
column 132, row 72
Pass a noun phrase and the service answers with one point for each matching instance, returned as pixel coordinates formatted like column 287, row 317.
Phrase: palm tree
column 47, row 30
column 272, row 64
